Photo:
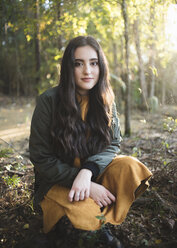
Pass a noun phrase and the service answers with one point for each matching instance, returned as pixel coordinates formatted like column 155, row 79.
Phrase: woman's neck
column 82, row 94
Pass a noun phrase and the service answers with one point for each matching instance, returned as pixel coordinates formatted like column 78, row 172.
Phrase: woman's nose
column 87, row 69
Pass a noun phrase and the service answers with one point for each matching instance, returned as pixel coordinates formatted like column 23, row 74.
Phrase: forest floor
column 152, row 219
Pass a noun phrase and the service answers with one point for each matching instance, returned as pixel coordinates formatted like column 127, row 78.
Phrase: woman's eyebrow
column 89, row 59
column 94, row 59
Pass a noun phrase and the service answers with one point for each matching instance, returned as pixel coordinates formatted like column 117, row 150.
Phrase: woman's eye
column 95, row 63
column 77, row 64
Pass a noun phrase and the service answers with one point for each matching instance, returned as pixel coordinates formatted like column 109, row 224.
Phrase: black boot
column 107, row 238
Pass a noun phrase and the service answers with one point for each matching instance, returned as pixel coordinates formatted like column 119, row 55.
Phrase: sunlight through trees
column 34, row 34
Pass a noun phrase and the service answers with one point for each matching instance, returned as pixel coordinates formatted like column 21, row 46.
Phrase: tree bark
column 152, row 52
column 140, row 64
column 37, row 45
column 163, row 92
column 116, row 65
column 58, row 5
column 152, row 75
column 127, row 93
column 164, row 71
column 118, row 92
column 19, row 76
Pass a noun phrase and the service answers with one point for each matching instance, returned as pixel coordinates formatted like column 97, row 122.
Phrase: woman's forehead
column 85, row 53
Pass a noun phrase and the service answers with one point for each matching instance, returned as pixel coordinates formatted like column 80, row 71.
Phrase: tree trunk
column 164, row 71
column 141, row 65
column 127, row 93
column 58, row 7
column 163, row 92
column 116, row 65
column 37, row 45
column 6, row 52
column 117, row 91
column 152, row 75
column 152, row 53
column 19, row 76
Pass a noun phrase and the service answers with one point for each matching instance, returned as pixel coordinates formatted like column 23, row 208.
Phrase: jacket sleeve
column 51, row 169
column 105, row 157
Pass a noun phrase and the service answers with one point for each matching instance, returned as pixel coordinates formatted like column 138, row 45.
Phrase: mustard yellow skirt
column 125, row 177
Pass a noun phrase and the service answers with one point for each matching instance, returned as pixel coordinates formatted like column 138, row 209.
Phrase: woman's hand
column 101, row 195
column 81, row 186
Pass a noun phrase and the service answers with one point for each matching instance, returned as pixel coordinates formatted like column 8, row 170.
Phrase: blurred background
column 139, row 39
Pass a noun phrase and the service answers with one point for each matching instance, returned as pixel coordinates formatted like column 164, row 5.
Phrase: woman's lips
column 87, row 79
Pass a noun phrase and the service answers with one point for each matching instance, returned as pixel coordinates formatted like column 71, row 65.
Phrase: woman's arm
column 51, row 169
column 102, row 159
column 82, row 186
column 80, row 189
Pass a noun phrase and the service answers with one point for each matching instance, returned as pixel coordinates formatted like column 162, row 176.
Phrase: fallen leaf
column 158, row 241
column 171, row 223
column 26, row 226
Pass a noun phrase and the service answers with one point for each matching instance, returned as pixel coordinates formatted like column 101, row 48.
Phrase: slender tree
column 140, row 63
column 37, row 44
column 152, row 50
column 59, row 14
column 127, row 93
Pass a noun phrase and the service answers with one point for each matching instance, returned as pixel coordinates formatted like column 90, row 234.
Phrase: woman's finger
column 99, row 204
column 87, row 193
column 111, row 196
column 104, row 203
column 71, row 195
column 82, row 195
column 77, row 195
column 107, row 199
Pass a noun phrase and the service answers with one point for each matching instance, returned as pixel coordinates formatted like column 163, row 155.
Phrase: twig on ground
column 15, row 208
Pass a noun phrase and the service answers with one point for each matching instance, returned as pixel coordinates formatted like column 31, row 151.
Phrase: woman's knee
column 123, row 161
column 127, row 159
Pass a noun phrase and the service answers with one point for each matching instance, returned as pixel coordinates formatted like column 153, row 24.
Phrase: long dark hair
column 69, row 131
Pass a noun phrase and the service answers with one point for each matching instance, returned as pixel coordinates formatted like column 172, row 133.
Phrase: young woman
column 74, row 145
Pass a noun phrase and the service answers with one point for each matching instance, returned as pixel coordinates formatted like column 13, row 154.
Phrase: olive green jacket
column 49, row 169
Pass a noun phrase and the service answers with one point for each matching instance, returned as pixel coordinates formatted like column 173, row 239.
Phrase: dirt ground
column 152, row 219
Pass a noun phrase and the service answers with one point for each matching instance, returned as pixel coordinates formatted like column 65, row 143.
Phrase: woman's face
column 86, row 70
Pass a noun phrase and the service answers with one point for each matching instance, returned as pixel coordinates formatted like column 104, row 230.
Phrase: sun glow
column 171, row 27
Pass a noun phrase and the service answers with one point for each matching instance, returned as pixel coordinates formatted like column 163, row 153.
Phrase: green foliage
column 170, row 124
column 11, row 182
column 102, row 219
column 15, row 189
column 165, row 144
column 4, row 153
column 154, row 71
column 136, row 152
column 59, row 21
column 145, row 242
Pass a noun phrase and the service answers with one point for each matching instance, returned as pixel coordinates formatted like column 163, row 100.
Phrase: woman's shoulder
column 51, row 92
column 47, row 100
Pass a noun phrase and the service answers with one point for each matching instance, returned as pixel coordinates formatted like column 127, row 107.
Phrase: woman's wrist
column 93, row 167
column 87, row 172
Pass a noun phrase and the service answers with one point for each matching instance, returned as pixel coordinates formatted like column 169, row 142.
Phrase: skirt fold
column 125, row 177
